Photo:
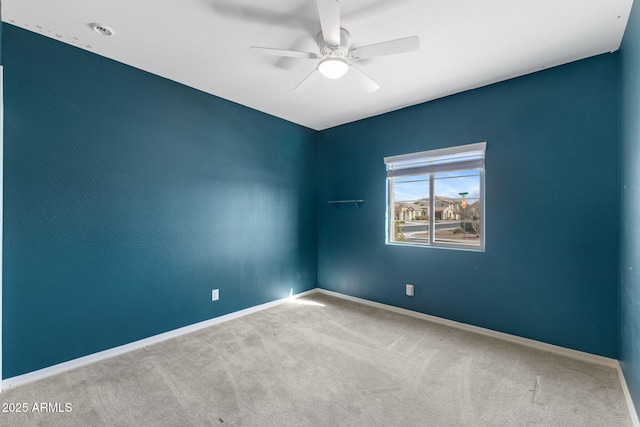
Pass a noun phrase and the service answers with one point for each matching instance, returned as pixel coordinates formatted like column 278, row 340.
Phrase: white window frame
column 432, row 162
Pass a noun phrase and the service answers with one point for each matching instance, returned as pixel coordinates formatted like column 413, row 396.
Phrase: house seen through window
column 436, row 198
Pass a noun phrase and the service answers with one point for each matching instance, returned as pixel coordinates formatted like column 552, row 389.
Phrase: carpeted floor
column 323, row 361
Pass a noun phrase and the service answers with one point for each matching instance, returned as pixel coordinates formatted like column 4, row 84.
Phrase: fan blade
column 283, row 52
column 391, row 47
column 367, row 84
column 329, row 12
column 308, row 81
column 263, row 14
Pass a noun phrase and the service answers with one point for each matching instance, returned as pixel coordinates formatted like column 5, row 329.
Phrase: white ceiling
column 205, row 44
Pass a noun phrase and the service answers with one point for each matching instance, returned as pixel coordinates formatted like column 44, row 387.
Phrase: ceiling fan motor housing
column 341, row 51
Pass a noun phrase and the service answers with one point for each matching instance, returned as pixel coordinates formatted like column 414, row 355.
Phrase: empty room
column 320, row 213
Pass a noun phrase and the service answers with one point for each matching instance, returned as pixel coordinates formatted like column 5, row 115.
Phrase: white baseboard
column 550, row 348
column 574, row 354
column 116, row 351
column 627, row 397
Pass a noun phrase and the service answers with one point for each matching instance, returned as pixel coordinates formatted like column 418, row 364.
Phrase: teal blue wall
column 550, row 268
column 1, row 23
column 128, row 198
column 630, row 204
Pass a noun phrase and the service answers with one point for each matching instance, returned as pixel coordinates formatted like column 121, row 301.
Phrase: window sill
column 440, row 246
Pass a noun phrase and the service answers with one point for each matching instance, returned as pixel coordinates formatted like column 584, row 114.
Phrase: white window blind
column 462, row 157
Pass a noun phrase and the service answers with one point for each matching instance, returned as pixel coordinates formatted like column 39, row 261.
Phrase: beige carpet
column 326, row 362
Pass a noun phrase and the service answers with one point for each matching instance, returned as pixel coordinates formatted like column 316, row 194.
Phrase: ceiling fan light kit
column 333, row 68
column 336, row 54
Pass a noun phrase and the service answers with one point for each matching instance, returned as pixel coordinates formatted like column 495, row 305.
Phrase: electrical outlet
column 215, row 295
column 409, row 289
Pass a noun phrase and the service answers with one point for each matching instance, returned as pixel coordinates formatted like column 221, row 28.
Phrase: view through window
column 436, row 198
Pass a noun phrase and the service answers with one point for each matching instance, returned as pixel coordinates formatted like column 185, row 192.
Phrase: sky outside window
column 449, row 184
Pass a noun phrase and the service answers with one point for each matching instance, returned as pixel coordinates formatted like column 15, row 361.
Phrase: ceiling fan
column 336, row 55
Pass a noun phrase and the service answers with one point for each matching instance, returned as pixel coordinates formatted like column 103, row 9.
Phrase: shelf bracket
column 358, row 203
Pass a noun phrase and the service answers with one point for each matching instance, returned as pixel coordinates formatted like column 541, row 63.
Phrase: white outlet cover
column 409, row 289
column 215, row 295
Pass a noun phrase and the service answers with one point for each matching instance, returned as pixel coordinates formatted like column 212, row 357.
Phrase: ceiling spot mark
column 59, row 35
column 12, row 21
column 89, row 46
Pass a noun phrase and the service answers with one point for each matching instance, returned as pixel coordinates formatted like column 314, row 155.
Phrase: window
column 436, row 198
